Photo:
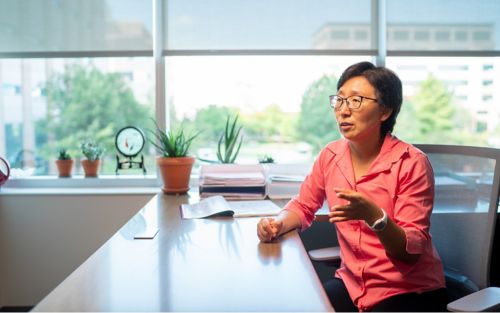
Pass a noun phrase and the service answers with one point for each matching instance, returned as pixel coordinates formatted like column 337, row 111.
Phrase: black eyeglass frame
column 350, row 106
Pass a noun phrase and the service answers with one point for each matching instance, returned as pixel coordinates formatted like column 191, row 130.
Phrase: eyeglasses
column 353, row 102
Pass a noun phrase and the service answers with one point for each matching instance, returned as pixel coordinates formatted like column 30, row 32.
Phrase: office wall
column 43, row 238
column 1, row 260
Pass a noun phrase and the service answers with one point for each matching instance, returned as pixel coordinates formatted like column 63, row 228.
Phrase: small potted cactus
column 64, row 163
column 93, row 153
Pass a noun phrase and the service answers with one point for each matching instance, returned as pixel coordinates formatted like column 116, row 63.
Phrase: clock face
column 4, row 171
column 129, row 141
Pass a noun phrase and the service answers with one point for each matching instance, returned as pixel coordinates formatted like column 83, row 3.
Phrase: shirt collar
column 392, row 151
column 342, row 158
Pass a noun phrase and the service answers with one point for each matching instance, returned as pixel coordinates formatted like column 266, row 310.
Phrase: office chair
column 462, row 223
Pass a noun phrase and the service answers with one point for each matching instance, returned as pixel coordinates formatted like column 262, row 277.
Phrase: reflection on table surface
column 191, row 265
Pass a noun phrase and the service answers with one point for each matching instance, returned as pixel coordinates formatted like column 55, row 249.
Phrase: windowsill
column 81, row 191
column 79, row 185
column 82, row 182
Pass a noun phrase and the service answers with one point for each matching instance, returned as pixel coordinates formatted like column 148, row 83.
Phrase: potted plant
column 228, row 146
column 266, row 159
column 174, row 162
column 64, row 163
column 93, row 152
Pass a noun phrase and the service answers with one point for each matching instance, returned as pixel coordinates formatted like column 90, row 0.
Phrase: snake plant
column 228, row 146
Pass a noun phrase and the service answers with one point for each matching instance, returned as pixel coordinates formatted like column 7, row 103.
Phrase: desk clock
column 129, row 142
column 4, row 171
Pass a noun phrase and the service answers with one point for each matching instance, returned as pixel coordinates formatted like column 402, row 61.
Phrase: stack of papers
column 217, row 206
column 284, row 180
column 233, row 181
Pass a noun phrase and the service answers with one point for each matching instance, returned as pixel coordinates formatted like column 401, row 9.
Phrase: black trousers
column 431, row 301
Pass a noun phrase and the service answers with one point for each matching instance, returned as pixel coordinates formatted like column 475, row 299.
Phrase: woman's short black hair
column 388, row 88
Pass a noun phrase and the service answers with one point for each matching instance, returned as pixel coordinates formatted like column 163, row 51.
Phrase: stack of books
column 233, row 181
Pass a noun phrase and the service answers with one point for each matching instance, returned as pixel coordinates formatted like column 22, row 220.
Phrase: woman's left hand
column 358, row 207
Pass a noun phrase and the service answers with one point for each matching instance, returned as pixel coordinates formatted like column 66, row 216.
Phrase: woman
column 380, row 191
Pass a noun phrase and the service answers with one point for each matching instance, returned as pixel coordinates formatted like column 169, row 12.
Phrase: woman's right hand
column 269, row 229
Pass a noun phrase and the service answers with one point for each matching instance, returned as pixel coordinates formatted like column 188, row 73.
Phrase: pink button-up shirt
column 400, row 181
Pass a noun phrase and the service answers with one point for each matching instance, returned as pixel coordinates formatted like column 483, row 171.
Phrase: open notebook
column 218, row 206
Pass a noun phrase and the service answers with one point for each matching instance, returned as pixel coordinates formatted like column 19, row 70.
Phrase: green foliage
column 270, row 125
column 316, row 124
column 172, row 143
column 92, row 150
column 229, row 139
column 434, row 107
column 209, row 120
column 431, row 116
column 63, row 154
column 83, row 102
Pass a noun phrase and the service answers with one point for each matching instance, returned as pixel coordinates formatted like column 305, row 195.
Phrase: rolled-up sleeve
column 311, row 195
column 414, row 204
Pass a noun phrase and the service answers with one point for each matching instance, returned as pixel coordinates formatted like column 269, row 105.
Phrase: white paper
column 218, row 206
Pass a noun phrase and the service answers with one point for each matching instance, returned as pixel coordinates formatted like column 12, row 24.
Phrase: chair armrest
column 325, row 254
column 483, row 300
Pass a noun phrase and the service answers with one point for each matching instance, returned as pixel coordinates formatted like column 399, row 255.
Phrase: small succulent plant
column 63, row 154
column 92, row 150
column 267, row 158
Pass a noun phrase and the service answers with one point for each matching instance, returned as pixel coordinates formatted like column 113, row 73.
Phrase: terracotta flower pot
column 64, row 167
column 90, row 168
column 175, row 173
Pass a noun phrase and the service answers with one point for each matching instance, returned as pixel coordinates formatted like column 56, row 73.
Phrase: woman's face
column 364, row 123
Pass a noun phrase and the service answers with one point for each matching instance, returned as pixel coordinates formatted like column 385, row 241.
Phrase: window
column 94, row 46
column 453, row 67
column 481, row 36
column 339, row 35
column 421, row 35
column 447, row 87
column 260, row 59
column 449, row 22
column 361, row 35
column 401, row 35
column 461, row 35
column 481, row 127
column 442, row 35
column 76, row 25
column 487, row 67
column 262, row 24
column 282, row 112
column 64, row 101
